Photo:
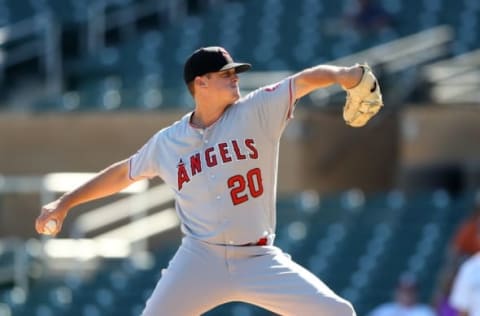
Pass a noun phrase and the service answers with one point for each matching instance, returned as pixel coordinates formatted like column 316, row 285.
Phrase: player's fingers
column 39, row 223
column 51, row 218
column 52, row 227
column 42, row 220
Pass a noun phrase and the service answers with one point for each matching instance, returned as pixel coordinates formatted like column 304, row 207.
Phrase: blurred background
column 85, row 83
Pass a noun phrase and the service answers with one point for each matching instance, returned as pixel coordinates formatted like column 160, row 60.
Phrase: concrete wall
column 435, row 134
column 439, row 148
column 77, row 142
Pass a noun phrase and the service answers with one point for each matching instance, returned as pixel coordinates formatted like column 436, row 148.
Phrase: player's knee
column 344, row 308
column 339, row 308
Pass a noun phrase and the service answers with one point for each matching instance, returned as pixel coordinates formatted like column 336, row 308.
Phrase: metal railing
column 35, row 37
column 455, row 80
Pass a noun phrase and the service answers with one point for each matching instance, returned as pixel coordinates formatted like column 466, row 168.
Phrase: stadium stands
column 126, row 55
column 358, row 244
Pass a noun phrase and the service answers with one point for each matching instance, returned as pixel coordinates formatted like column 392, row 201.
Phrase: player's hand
column 51, row 218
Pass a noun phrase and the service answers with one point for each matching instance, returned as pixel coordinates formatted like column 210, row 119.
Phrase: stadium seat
column 19, row 10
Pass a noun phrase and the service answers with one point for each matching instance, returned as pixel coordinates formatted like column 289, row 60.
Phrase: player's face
column 224, row 85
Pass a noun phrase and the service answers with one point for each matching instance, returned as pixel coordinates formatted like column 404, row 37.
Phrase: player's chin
column 234, row 100
column 235, row 94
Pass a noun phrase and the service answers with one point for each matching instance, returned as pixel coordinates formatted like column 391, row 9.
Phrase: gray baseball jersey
column 224, row 176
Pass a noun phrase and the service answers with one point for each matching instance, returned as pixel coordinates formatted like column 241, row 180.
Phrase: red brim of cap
column 239, row 67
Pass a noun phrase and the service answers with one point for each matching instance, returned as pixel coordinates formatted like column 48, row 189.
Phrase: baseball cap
column 210, row 59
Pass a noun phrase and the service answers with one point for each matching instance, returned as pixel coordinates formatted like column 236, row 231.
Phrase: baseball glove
column 364, row 100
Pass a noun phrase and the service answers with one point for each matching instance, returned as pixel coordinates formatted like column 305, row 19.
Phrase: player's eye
column 227, row 74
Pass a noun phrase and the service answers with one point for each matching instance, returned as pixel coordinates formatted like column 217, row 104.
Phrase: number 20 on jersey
column 244, row 187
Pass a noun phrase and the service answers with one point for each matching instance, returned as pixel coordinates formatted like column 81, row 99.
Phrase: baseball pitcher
column 221, row 160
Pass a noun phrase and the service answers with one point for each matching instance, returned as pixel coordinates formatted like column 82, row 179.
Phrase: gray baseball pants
column 202, row 276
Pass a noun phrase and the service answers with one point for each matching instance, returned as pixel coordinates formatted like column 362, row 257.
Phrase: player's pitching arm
column 364, row 98
column 109, row 181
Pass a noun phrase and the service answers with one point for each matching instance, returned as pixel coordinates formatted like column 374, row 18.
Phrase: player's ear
column 200, row 81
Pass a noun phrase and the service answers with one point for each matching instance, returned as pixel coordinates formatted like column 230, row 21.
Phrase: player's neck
column 205, row 115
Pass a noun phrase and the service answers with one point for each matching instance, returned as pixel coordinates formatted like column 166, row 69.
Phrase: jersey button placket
column 205, row 137
column 213, row 177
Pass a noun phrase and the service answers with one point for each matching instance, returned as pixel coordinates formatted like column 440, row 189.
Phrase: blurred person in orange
column 465, row 295
column 465, row 242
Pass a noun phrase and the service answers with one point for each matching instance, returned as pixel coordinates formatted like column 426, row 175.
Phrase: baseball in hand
column 50, row 227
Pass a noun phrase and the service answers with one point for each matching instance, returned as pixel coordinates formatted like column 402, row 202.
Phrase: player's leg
column 193, row 283
column 275, row 282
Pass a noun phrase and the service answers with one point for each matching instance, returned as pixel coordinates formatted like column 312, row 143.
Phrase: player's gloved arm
column 364, row 98
column 107, row 182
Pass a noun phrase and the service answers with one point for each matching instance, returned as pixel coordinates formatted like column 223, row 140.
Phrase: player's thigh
column 192, row 284
column 284, row 287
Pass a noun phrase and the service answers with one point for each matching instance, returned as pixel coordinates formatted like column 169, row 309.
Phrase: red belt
column 261, row 242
